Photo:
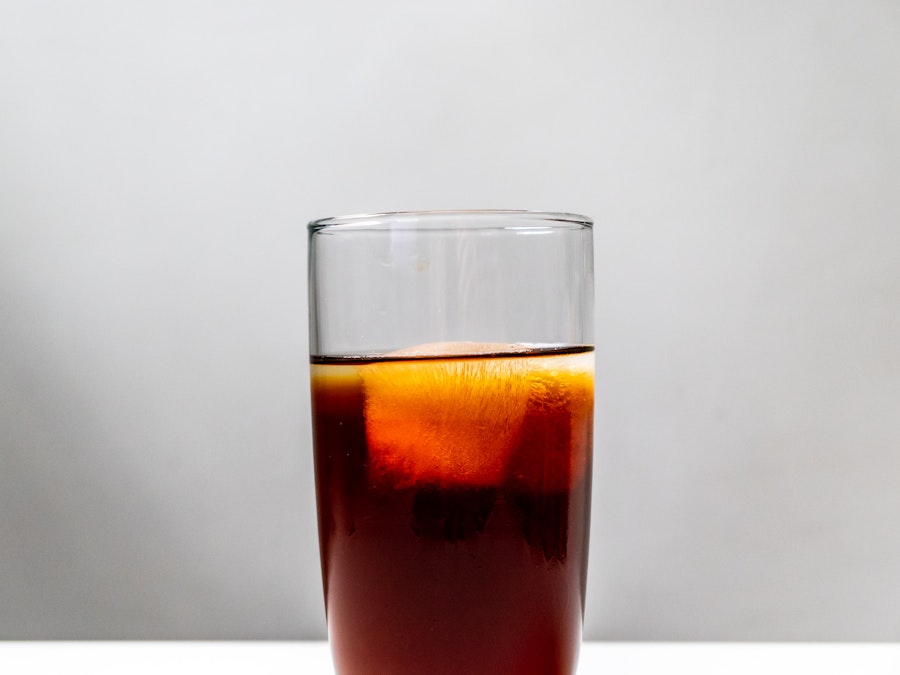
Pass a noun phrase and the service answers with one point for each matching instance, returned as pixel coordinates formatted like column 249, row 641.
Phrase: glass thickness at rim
column 485, row 219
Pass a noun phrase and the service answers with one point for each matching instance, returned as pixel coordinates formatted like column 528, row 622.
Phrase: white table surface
column 313, row 658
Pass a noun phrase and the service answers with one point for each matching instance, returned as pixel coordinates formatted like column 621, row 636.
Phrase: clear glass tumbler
column 452, row 377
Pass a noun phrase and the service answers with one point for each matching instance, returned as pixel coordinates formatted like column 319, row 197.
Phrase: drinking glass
column 452, row 375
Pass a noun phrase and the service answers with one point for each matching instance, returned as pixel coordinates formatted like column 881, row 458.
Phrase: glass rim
column 473, row 219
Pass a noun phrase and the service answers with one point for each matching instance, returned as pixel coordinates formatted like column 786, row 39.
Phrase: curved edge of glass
column 477, row 219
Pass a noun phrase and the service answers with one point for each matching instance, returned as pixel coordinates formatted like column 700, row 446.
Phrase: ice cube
column 555, row 438
column 445, row 421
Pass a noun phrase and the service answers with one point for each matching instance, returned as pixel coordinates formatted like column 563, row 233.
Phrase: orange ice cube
column 554, row 443
column 449, row 421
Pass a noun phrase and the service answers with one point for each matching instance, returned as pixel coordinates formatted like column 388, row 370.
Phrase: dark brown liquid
column 448, row 550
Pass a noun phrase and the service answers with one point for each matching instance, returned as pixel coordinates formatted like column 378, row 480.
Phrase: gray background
column 158, row 162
